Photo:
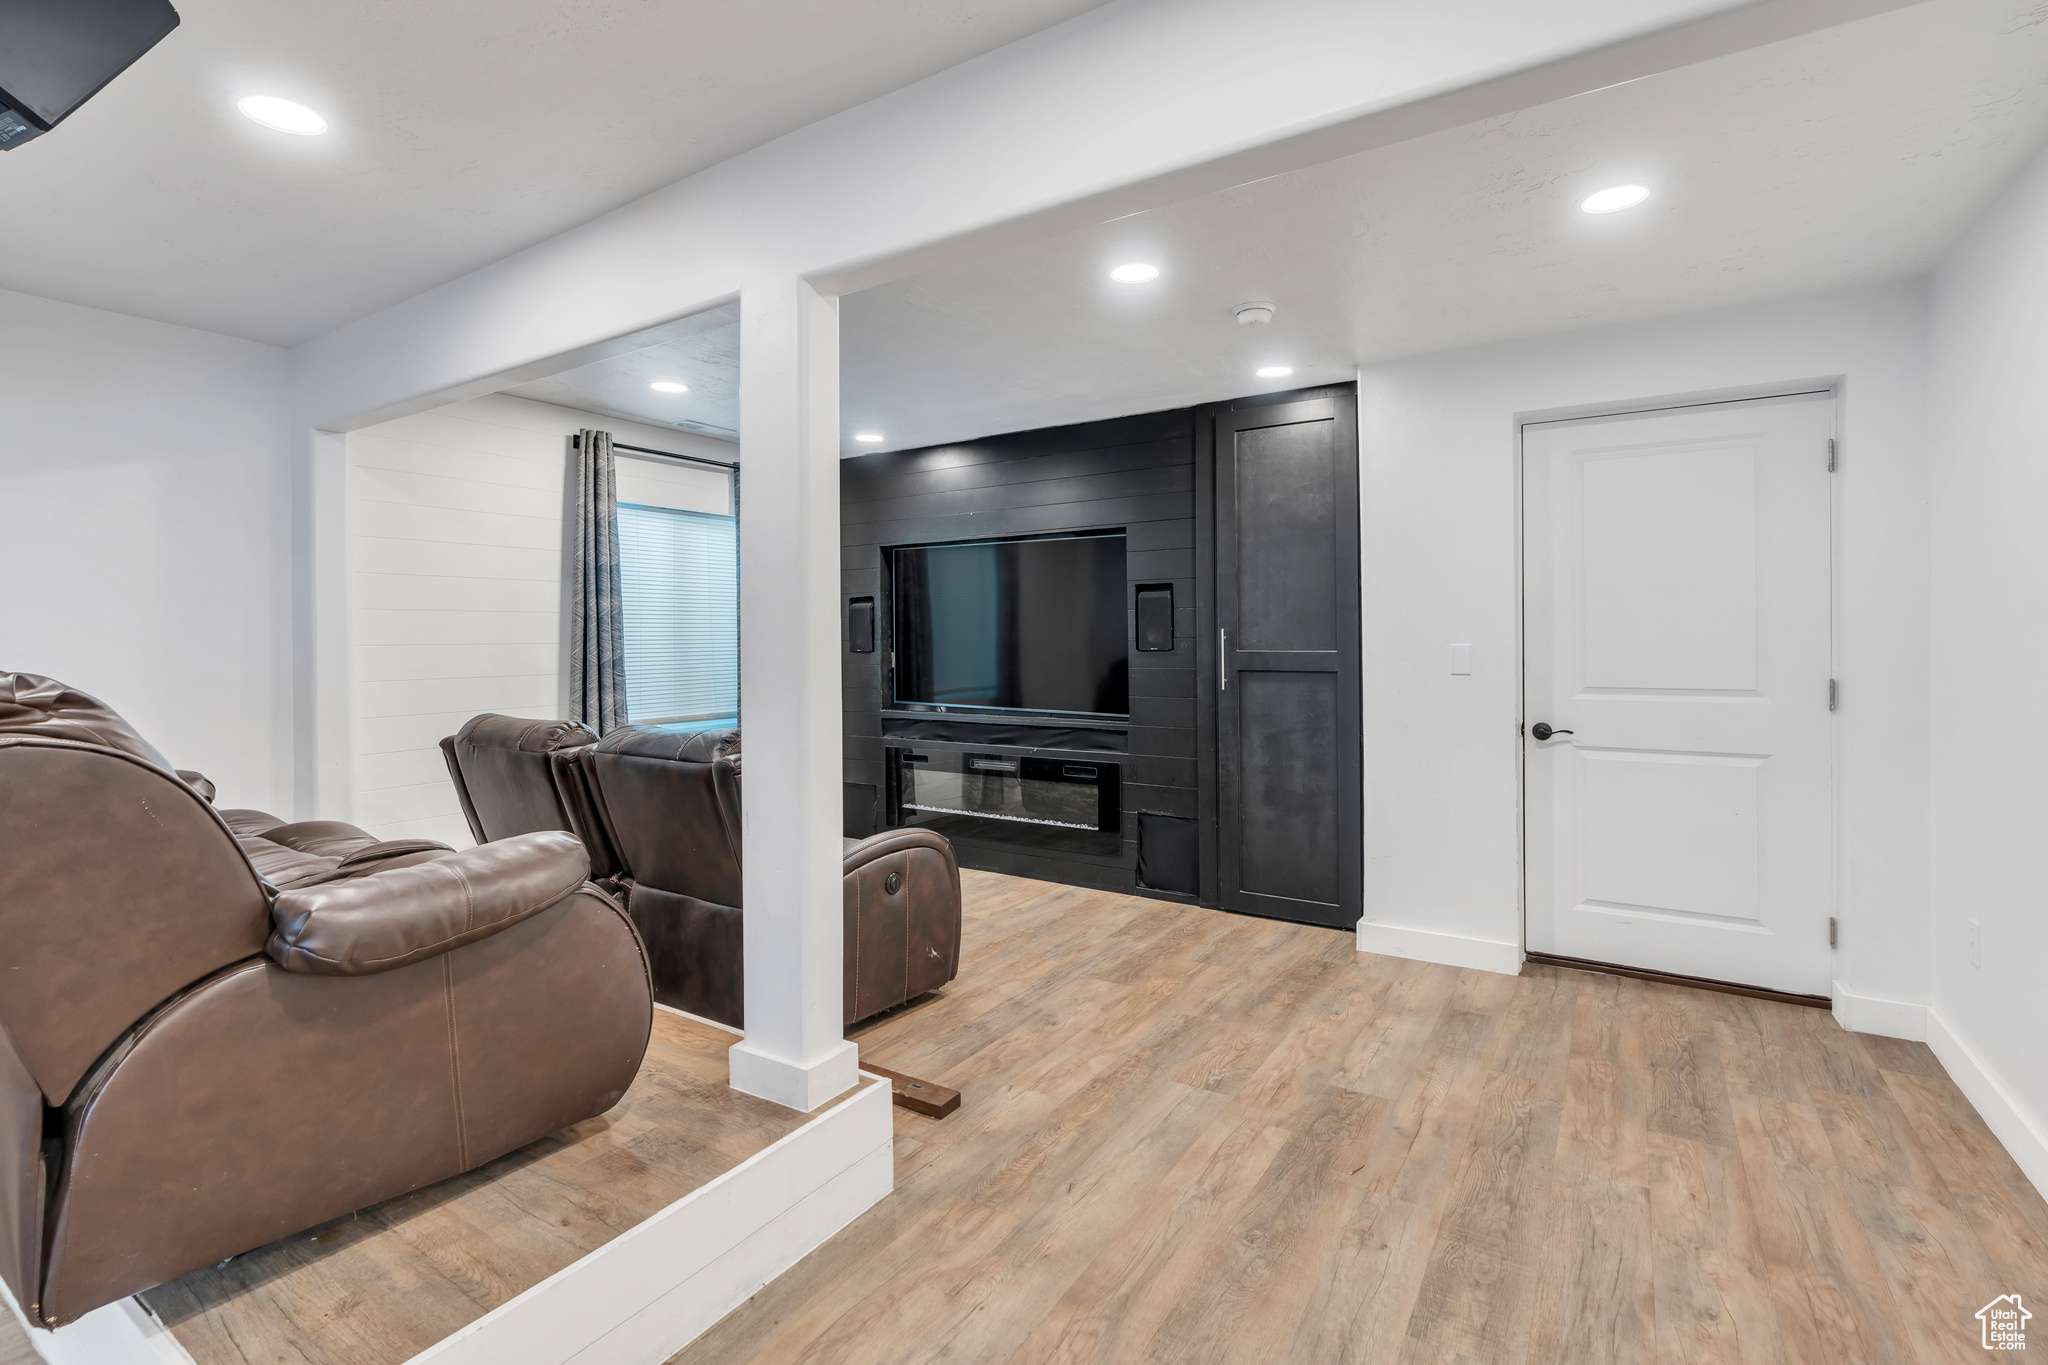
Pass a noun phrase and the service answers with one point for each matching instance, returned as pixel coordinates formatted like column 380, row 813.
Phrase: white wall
column 1438, row 485
column 1989, row 484
column 458, row 605
column 145, row 519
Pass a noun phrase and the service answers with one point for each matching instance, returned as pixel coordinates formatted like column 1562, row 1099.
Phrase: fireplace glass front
column 936, row 786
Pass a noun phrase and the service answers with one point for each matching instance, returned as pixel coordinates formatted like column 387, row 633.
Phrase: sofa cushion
column 312, row 851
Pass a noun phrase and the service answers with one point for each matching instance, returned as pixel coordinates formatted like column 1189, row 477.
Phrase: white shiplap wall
column 457, row 522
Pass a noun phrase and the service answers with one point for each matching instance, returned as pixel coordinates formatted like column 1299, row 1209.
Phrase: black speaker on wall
column 1155, row 616
column 860, row 625
column 57, row 54
column 1169, row 854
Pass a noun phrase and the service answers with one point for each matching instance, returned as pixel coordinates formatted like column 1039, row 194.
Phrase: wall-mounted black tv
column 1013, row 625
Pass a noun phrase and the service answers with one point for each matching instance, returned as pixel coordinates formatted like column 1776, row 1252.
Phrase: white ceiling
column 462, row 131
column 701, row 351
column 1856, row 154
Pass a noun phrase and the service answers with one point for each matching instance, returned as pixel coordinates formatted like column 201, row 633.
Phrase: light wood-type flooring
column 1188, row 1136
column 379, row 1287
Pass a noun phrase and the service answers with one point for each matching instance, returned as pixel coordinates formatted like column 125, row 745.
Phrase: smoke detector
column 1254, row 314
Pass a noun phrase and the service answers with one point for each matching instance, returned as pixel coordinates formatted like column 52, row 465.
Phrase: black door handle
column 1541, row 729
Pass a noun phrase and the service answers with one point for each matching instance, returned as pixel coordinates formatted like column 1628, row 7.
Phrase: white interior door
column 1677, row 631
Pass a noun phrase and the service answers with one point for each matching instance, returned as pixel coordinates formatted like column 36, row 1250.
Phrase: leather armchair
column 217, row 1028
column 660, row 805
column 502, row 770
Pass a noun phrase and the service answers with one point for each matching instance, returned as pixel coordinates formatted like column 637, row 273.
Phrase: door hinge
column 1831, row 931
column 1831, row 454
column 1834, row 694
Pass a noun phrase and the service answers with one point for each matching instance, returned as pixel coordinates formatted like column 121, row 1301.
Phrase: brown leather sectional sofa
column 218, row 1028
column 659, row 808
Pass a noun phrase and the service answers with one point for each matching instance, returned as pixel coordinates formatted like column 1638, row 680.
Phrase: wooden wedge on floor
column 919, row 1097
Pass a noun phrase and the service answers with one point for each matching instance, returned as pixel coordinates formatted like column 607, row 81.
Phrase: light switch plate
column 1461, row 659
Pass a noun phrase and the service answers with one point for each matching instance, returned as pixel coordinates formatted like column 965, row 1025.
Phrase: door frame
column 1835, row 387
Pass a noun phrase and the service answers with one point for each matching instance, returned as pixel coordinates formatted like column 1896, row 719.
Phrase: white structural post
column 795, row 1050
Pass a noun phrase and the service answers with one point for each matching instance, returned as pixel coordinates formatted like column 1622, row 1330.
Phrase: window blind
column 679, row 576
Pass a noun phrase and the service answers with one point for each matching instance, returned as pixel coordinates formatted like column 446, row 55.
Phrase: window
column 679, row 576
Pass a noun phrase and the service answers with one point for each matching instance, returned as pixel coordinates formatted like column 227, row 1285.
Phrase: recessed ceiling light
column 283, row 115
column 1614, row 200
column 1274, row 371
column 1137, row 272
column 668, row 386
column 867, row 438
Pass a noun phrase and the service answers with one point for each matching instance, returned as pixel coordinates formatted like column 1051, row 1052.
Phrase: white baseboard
column 123, row 1333
column 650, row 1291
column 1873, row 1014
column 1451, row 950
column 699, row 1019
column 2008, row 1119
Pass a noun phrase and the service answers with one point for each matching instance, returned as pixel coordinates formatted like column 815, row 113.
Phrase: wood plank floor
column 1189, row 1136
column 379, row 1287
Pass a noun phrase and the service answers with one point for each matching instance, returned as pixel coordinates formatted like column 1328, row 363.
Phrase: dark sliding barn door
column 1287, row 705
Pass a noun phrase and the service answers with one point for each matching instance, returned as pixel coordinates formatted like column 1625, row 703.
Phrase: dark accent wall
column 1154, row 476
column 1137, row 473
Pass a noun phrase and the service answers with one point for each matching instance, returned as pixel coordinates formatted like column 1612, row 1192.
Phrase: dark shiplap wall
column 1133, row 472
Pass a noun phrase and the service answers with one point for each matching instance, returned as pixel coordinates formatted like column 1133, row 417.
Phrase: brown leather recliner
column 217, row 1029
column 660, row 804
column 502, row 770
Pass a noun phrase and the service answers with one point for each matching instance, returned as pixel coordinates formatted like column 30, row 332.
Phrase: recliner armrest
column 390, row 919
column 858, row 853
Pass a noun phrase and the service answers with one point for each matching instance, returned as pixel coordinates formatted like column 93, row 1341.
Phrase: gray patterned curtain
column 597, row 632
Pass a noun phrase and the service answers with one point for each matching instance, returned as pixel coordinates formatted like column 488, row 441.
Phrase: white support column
column 795, row 1050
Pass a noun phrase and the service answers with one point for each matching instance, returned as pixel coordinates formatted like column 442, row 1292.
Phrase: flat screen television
column 1013, row 625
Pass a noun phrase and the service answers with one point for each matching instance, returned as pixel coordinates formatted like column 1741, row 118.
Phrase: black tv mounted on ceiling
column 57, row 54
column 1034, row 625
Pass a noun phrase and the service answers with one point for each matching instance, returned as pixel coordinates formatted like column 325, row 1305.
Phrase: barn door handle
column 1541, row 729
column 1222, row 660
